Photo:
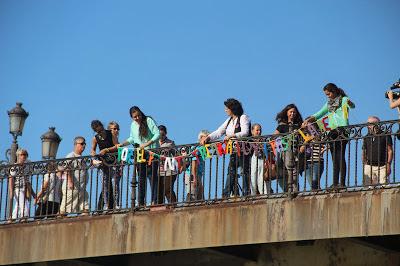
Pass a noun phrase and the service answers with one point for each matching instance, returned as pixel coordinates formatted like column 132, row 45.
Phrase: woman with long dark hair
column 289, row 120
column 237, row 125
column 336, row 104
column 106, row 141
column 145, row 135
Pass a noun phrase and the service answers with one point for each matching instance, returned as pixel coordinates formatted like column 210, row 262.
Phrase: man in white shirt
column 75, row 197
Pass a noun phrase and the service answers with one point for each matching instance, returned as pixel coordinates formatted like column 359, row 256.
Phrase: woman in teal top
column 144, row 130
column 336, row 108
column 145, row 134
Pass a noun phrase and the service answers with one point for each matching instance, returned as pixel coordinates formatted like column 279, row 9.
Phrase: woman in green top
column 337, row 109
column 145, row 134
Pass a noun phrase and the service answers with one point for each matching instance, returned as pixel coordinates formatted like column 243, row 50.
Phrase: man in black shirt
column 377, row 154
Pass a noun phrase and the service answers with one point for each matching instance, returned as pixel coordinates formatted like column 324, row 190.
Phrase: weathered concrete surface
column 354, row 214
column 333, row 252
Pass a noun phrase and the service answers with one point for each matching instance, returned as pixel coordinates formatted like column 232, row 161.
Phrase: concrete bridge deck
column 314, row 217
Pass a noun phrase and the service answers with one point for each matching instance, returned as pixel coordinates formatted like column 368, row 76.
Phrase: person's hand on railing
column 104, row 151
column 227, row 138
column 307, row 121
column 204, row 140
column 36, row 201
column 118, row 145
column 144, row 145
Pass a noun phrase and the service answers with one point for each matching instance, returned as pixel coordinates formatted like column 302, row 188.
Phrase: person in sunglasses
column 75, row 198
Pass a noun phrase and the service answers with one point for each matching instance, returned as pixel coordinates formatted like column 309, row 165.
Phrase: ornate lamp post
column 17, row 117
column 50, row 142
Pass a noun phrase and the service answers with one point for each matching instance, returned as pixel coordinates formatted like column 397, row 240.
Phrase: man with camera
column 394, row 97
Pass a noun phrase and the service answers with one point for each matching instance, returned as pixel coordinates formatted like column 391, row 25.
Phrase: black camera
column 396, row 93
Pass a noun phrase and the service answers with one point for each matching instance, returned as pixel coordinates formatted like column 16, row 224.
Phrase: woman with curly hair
column 289, row 120
column 237, row 125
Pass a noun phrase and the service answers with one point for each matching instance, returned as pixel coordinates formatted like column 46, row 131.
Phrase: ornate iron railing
column 186, row 175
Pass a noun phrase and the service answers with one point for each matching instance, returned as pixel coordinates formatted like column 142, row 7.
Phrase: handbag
column 270, row 172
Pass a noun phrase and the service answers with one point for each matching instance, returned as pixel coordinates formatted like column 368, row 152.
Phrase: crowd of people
column 65, row 191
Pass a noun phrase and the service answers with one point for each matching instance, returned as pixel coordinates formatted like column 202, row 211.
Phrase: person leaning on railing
column 237, row 125
column 75, row 198
column 377, row 154
column 336, row 104
column 145, row 134
column 19, row 187
column 49, row 197
column 106, row 142
column 289, row 120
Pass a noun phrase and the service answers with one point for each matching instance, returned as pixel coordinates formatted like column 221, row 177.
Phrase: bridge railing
column 356, row 157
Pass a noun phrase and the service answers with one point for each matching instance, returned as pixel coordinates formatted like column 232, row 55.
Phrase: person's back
column 53, row 191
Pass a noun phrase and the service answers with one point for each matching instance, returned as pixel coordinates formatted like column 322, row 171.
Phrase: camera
column 395, row 86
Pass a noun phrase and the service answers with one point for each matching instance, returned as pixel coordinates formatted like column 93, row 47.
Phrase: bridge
column 356, row 223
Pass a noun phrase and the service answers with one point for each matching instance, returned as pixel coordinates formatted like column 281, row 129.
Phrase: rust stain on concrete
column 371, row 213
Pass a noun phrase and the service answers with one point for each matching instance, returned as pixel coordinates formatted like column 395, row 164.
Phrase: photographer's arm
column 393, row 103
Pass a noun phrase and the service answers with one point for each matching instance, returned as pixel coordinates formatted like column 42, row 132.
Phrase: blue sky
column 70, row 62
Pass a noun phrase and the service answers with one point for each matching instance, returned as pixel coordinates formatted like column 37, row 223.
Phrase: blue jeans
column 313, row 173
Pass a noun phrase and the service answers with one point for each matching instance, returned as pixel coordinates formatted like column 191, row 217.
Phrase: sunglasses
column 81, row 143
column 114, row 128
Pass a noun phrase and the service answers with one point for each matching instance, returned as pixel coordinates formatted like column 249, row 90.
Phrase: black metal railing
column 299, row 163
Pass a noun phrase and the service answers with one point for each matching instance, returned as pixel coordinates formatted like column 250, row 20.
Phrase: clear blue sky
column 70, row 62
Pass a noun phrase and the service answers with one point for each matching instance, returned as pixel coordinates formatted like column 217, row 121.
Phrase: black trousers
column 107, row 187
column 231, row 185
column 338, row 152
column 145, row 171
column 46, row 209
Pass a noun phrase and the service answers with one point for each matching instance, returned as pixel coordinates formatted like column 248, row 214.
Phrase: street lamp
column 50, row 142
column 17, row 117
